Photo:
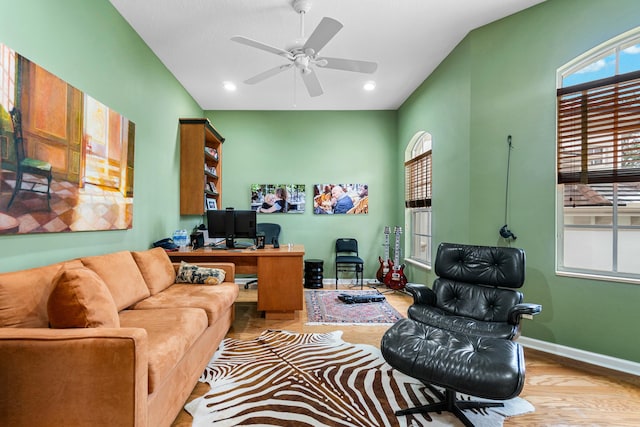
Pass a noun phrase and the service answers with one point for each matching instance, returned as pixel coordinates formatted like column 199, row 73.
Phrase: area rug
column 324, row 308
column 287, row 379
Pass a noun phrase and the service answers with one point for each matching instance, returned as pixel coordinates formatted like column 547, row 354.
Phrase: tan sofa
column 136, row 355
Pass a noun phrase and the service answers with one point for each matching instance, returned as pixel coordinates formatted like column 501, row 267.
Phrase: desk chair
column 271, row 235
column 347, row 259
column 28, row 165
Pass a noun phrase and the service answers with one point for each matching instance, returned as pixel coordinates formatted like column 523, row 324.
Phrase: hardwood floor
column 563, row 391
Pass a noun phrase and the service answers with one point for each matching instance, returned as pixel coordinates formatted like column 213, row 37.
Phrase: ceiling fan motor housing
column 302, row 6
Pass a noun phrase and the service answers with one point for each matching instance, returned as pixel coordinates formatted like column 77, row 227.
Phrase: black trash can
column 313, row 273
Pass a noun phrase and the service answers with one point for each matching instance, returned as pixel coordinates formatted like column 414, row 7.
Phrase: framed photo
column 340, row 199
column 212, row 205
column 278, row 198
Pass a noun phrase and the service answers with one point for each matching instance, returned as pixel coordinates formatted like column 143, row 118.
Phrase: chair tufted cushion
column 484, row 367
column 478, row 302
column 486, row 265
column 438, row 318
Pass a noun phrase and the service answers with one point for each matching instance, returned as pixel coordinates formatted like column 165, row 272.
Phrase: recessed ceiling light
column 370, row 85
column 230, row 86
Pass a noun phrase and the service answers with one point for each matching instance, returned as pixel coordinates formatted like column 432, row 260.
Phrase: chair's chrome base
column 449, row 403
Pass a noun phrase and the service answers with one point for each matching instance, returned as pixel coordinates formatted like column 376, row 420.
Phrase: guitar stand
column 388, row 290
column 400, row 291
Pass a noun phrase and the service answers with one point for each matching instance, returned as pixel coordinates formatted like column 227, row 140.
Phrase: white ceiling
column 407, row 38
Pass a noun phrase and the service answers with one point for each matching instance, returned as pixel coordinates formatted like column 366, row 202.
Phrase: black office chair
column 347, row 259
column 271, row 236
column 460, row 335
column 28, row 165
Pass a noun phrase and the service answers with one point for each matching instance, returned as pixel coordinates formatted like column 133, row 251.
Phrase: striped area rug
column 288, row 379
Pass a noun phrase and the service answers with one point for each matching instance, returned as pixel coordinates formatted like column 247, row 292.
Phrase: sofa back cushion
column 156, row 268
column 121, row 275
column 81, row 299
column 24, row 295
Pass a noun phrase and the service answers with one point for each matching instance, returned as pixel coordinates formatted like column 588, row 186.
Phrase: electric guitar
column 384, row 262
column 395, row 278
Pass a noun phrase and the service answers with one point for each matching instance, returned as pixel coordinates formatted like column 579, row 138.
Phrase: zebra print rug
column 287, row 379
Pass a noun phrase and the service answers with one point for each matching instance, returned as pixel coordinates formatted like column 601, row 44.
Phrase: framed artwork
column 278, row 198
column 211, row 204
column 352, row 199
column 66, row 159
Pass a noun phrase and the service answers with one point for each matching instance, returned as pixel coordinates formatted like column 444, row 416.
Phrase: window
column 598, row 162
column 418, row 197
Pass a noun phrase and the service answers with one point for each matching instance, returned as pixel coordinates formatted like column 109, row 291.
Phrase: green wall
column 89, row 45
column 315, row 147
column 501, row 81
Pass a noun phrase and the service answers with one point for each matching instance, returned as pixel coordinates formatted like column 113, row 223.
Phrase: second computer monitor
column 231, row 224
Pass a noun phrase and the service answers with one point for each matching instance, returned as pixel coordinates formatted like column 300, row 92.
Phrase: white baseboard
column 597, row 359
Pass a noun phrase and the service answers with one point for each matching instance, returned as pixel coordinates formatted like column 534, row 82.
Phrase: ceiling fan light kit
column 304, row 55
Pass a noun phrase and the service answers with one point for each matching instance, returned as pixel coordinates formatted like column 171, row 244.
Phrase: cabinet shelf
column 199, row 167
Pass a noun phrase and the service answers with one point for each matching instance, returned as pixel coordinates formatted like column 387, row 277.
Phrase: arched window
column 417, row 167
column 598, row 161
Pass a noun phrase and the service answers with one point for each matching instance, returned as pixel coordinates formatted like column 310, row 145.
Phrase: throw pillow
column 81, row 299
column 191, row 273
column 156, row 268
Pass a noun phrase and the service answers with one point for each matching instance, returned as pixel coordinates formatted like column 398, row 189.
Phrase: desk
column 279, row 272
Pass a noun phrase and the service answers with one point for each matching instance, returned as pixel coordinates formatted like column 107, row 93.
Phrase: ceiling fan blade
column 326, row 29
column 261, row 46
column 349, row 65
column 311, row 82
column 266, row 74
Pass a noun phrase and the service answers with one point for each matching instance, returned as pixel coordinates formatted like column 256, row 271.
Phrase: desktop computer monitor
column 231, row 224
column 245, row 225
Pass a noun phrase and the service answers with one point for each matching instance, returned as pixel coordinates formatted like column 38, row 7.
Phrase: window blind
column 599, row 131
column 418, row 181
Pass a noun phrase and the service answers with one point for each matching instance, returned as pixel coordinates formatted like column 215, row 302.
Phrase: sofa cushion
column 24, row 295
column 122, row 276
column 171, row 332
column 191, row 273
column 81, row 299
column 156, row 268
column 215, row 300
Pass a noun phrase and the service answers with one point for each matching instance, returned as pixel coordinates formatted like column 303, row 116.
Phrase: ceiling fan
column 304, row 56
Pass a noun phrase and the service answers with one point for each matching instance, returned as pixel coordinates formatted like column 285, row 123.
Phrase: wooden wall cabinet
column 200, row 166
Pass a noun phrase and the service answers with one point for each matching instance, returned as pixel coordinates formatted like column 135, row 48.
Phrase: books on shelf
column 211, row 170
column 212, row 152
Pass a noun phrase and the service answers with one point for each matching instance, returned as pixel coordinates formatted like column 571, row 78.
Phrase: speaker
column 197, row 240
